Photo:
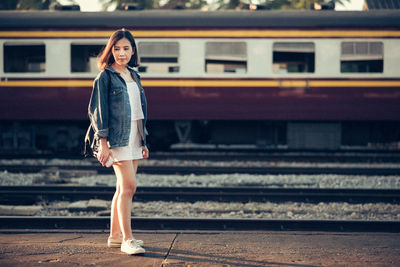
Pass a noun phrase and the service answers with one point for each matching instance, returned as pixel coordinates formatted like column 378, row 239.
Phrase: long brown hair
column 105, row 58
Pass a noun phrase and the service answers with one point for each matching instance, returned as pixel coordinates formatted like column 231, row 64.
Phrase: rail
column 31, row 194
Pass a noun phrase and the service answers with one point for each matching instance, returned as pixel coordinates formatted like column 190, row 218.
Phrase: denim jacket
column 110, row 111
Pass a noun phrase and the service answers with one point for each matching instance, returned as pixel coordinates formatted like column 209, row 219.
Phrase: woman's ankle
column 115, row 235
column 127, row 238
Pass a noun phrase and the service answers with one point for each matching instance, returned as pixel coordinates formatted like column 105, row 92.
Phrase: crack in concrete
column 165, row 262
column 69, row 239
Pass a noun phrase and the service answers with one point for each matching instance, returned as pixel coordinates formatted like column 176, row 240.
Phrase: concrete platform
column 201, row 248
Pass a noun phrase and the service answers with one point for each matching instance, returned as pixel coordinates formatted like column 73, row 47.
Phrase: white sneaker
column 131, row 247
column 116, row 242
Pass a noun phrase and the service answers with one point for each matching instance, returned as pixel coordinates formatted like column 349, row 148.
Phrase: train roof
column 24, row 20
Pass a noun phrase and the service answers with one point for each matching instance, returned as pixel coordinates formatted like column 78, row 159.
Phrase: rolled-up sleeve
column 98, row 106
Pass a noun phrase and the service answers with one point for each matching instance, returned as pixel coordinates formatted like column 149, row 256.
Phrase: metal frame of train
column 271, row 79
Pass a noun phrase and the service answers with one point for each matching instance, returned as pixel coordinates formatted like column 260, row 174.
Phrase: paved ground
column 201, row 248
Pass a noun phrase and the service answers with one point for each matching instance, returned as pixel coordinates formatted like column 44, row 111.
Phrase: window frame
column 23, row 43
column 358, row 57
column 218, row 58
column 296, row 41
column 72, row 43
column 170, row 64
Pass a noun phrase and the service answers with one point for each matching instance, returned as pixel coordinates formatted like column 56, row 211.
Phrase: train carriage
column 274, row 79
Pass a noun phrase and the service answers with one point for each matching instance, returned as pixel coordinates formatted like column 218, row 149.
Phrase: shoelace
column 132, row 243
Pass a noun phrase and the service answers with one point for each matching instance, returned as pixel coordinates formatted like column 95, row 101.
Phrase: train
column 287, row 80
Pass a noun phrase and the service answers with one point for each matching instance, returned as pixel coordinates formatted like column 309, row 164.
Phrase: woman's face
column 122, row 52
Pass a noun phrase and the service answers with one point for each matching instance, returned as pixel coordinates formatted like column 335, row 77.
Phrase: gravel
column 267, row 210
column 217, row 180
column 220, row 180
column 19, row 178
column 208, row 209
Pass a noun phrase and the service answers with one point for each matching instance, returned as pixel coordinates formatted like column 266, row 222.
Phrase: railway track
column 344, row 157
column 258, row 155
column 209, row 169
column 61, row 222
column 24, row 195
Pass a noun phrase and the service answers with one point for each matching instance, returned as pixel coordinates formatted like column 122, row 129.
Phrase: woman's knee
column 126, row 178
column 128, row 189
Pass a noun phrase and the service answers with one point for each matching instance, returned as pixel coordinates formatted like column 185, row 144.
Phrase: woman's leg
column 115, row 229
column 126, row 178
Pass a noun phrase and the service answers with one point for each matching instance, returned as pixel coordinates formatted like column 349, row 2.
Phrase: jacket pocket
column 116, row 90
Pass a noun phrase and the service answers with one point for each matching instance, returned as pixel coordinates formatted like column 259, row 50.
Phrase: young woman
column 117, row 112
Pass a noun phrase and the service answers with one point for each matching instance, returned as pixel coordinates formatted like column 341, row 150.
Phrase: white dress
column 134, row 149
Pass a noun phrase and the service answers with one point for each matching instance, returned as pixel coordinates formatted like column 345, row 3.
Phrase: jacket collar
column 133, row 70
column 109, row 68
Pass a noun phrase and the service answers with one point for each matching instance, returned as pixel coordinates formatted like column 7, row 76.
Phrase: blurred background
column 246, row 94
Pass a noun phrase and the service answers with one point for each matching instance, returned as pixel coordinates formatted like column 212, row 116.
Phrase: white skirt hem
column 133, row 150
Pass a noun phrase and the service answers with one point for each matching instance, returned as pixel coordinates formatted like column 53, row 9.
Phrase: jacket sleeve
column 98, row 106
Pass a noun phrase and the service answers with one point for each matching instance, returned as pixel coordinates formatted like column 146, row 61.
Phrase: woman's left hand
column 145, row 152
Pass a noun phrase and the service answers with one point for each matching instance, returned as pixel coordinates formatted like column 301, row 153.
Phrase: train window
column 361, row 57
column 24, row 57
column 224, row 57
column 158, row 57
column 293, row 57
column 84, row 57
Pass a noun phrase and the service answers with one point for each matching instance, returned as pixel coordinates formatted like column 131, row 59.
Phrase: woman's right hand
column 104, row 152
